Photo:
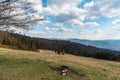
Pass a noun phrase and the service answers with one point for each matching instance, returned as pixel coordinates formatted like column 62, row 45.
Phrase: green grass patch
column 27, row 69
column 45, row 65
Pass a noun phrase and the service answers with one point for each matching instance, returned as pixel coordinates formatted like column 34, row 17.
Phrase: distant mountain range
column 106, row 44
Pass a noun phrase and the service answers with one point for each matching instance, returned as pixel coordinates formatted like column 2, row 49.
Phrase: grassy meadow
column 44, row 65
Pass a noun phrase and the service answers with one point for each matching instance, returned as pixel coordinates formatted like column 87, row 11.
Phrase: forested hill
column 106, row 44
column 60, row 46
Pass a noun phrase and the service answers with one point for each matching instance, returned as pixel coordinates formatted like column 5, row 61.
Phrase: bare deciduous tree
column 18, row 13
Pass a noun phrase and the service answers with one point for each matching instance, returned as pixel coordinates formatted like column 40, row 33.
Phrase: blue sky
column 82, row 19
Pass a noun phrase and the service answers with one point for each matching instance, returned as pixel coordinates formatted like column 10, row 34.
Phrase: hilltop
column 29, row 65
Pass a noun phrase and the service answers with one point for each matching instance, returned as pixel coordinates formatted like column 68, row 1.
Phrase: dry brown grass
column 8, row 47
column 110, row 68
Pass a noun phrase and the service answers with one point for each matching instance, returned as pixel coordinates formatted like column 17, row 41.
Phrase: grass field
column 43, row 65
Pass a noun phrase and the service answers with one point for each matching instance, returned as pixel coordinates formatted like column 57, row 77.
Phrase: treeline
column 18, row 41
column 59, row 46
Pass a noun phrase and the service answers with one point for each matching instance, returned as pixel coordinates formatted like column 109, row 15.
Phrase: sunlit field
column 44, row 65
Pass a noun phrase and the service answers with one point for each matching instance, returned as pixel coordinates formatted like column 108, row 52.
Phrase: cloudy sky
column 82, row 19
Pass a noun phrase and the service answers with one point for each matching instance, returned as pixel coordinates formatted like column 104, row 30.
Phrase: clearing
column 43, row 65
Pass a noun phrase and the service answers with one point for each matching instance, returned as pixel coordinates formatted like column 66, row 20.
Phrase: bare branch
column 18, row 13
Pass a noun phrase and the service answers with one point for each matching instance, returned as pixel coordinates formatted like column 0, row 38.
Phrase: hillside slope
column 28, row 65
column 17, row 41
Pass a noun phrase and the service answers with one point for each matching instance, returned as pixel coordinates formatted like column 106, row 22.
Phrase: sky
column 81, row 19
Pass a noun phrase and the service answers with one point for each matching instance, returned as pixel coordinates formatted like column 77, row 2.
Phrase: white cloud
column 82, row 24
column 107, row 8
column 76, row 22
column 62, row 18
column 98, row 31
column 48, row 11
column 36, row 33
column 15, row 30
column 47, row 28
column 62, row 6
column 55, row 30
column 97, row 34
column 91, row 32
column 63, row 2
column 116, row 22
column 36, row 5
column 88, row 5
column 91, row 24
column 64, row 30
column 66, row 11
column 85, row 32
column 58, row 24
